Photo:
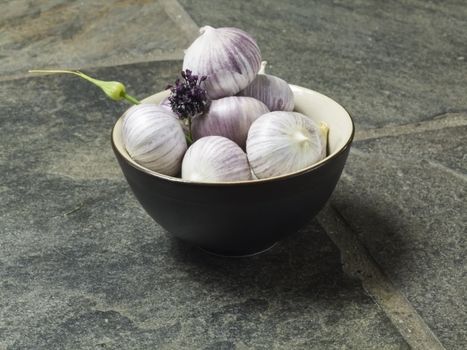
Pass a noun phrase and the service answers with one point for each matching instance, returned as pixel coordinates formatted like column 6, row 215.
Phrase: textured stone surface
column 72, row 34
column 82, row 265
column 405, row 196
column 386, row 62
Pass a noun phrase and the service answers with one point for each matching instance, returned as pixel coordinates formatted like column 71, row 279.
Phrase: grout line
column 358, row 263
column 444, row 168
column 178, row 14
column 458, row 174
column 175, row 55
column 446, row 120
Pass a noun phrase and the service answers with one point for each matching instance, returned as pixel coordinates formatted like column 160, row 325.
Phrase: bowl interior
column 308, row 102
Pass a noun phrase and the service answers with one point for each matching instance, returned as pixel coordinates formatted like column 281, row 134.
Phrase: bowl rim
column 300, row 172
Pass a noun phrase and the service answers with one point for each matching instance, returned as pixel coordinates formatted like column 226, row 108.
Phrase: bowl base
column 224, row 254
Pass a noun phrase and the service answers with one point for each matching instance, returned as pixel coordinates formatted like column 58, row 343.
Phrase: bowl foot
column 236, row 254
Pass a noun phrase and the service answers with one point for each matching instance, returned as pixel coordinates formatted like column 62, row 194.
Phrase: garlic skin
column 281, row 143
column 274, row 92
column 230, row 117
column 215, row 159
column 229, row 57
column 154, row 138
column 165, row 103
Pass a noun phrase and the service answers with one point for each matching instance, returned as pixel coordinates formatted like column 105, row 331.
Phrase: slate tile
column 405, row 198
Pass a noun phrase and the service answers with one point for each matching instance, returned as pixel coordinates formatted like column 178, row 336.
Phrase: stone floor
column 383, row 266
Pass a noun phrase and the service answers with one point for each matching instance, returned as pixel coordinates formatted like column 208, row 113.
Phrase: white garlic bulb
column 215, row 159
column 230, row 117
column 274, row 92
column 154, row 138
column 229, row 57
column 281, row 143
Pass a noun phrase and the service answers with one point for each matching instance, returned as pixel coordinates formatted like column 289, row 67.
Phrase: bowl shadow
column 305, row 264
column 382, row 234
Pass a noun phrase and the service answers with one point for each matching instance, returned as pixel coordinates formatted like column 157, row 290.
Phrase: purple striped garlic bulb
column 274, row 92
column 281, row 143
column 153, row 137
column 215, row 159
column 230, row 117
column 229, row 57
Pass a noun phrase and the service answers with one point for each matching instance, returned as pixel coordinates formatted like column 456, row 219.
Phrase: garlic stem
column 113, row 89
column 205, row 28
column 262, row 69
column 131, row 99
column 324, row 129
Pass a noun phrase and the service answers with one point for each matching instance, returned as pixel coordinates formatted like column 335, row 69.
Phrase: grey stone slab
column 405, row 197
column 386, row 62
column 82, row 265
column 76, row 34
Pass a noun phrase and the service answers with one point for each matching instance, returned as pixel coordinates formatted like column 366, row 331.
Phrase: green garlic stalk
column 113, row 89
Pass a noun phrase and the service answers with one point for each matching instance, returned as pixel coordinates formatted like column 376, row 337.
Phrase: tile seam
column 448, row 170
column 181, row 18
column 433, row 163
column 358, row 263
column 171, row 56
column 441, row 121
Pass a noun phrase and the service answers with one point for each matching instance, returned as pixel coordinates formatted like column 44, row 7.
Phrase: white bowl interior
column 322, row 108
column 308, row 102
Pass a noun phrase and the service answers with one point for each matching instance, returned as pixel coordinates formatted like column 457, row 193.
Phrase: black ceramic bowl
column 242, row 218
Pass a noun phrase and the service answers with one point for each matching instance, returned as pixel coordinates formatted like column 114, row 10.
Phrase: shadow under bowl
column 246, row 217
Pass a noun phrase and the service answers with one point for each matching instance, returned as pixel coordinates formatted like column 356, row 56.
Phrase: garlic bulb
column 230, row 117
column 280, row 143
column 274, row 92
column 154, row 138
column 215, row 159
column 229, row 57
